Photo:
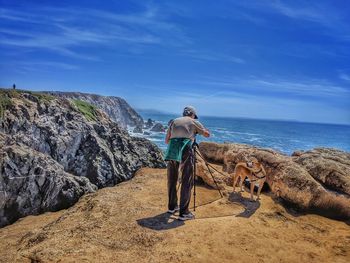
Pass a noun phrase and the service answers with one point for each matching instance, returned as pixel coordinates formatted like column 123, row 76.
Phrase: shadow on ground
column 249, row 206
column 162, row 221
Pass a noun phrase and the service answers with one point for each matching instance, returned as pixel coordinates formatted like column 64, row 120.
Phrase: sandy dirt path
column 128, row 223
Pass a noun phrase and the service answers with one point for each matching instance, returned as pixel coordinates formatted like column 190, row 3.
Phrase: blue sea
column 283, row 136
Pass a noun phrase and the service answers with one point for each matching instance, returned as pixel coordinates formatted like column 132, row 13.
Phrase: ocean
column 283, row 136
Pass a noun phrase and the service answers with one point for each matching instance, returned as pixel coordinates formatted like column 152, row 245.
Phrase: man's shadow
column 250, row 207
column 159, row 222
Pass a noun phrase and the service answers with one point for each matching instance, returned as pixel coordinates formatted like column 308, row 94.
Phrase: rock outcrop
column 158, row 127
column 298, row 180
column 149, row 124
column 330, row 167
column 137, row 129
column 79, row 140
column 32, row 182
column 116, row 108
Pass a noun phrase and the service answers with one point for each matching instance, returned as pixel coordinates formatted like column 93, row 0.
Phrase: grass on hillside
column 88, row 110
column 5, row 102
column 42, row 97
column 7, row 94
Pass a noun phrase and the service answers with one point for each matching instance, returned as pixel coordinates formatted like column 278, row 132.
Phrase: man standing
column 180, row 136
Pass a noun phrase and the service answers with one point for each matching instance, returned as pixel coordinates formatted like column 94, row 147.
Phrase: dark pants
column 186, row 167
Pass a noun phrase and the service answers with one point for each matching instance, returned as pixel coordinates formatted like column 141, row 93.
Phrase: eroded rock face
column 330, row 167
column 32, row 182
column 98, row 150
column 116, row 108
column 290, row 178
column 95, row 151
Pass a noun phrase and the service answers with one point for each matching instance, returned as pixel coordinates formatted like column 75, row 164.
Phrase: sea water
column 283, row 136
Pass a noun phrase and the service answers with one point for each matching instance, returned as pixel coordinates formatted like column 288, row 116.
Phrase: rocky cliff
column 116, row 108
column 55, row 149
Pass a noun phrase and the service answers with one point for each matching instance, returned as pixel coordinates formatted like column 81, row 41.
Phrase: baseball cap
column 189, row 110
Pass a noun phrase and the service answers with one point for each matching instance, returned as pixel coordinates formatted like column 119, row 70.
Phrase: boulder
column 137, row 129
column 149, row 124
column 158, row 127
column 330, row 167
column 209, row 175
column 288, row 178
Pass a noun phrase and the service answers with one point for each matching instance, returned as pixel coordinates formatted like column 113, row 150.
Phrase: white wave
column 155, row 139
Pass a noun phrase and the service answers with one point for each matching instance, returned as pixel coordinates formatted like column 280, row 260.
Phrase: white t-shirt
column 185, row 127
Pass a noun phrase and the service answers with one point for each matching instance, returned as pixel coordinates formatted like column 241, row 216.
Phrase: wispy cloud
column 64, row 30
column 344, row 76
column 274, row 86
column 212, row 56
column 333, row 21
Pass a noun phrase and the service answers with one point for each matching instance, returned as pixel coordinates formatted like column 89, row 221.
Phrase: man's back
column 185, row 127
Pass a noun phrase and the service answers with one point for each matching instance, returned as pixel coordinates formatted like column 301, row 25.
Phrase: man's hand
column 206, row 133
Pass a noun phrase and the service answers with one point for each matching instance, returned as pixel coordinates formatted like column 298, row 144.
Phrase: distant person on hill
column 180, row 136
column 14, row 86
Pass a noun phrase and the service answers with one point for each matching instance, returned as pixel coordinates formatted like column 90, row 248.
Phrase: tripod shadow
column 159, row 222
column 250, row 207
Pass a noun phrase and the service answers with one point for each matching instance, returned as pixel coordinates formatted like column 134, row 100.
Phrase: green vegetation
column 15, row 93
column 6, row 96
column 88, row 110
column 42, row 97
column 5, row 102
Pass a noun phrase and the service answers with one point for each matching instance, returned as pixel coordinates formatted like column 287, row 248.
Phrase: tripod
column 195, row 148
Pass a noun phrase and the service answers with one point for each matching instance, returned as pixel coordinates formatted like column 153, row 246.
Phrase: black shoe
column 187, row 216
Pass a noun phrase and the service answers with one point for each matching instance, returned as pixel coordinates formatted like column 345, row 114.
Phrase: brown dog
column 255, row 172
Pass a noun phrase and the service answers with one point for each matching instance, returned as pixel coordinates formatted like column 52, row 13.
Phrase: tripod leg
column 211, row 174
column 194, row 181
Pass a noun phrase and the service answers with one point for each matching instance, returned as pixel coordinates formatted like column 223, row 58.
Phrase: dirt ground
column 128, row 223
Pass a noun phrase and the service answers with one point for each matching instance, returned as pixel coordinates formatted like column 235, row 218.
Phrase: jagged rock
column 158, row 127
column 116, row 108
column 33, row 183
column 137, row 129
column 287, row 178
column 149, row 124
column 330, row 167
column 96, row 148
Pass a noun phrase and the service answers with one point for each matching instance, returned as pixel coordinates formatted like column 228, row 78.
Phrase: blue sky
column 258, row 59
